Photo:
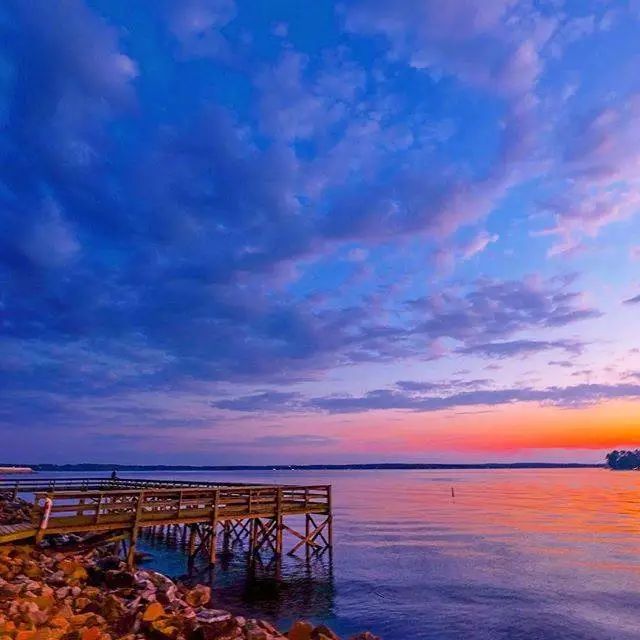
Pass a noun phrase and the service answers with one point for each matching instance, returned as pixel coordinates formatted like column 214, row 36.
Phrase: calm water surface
column 516, row 554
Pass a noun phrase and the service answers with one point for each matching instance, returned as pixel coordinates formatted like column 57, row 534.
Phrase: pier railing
column 85, row 510
column 36, row 484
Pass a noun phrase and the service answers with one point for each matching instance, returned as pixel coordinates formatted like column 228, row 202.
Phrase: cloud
column 265, row 401
column 521, row 347
column 304, row 440
column 634, row 300
column 174, row 214
column 477, row 244
column 573, row 396
column 197, row 24
column 425, row 397
column 566, row 364
column 598, row 165
column 498, row 309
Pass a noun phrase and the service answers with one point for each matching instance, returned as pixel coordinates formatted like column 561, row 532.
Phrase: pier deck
column 201, row 510
column 15, row 532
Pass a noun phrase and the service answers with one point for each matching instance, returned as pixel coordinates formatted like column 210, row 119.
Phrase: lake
column 515, row 554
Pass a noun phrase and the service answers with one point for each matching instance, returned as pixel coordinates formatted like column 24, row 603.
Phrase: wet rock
column 116, row 579
column 323, row 633
column 212, row 616
column 268, row 627
column 301, row 630
column 113, row 608
column 198, row 596
column 109, row 562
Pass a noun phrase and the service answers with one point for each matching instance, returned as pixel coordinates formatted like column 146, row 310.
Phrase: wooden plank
column 18, row 531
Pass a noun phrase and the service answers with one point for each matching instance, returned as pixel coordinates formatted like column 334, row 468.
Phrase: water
column 516, row 554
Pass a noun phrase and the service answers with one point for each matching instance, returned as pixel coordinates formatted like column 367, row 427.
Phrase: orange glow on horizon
column 502, row 429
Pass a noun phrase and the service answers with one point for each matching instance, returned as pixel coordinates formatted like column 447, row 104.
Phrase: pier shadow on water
column 281, row 589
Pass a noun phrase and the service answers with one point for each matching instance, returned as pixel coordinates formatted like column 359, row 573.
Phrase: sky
column 240, row 232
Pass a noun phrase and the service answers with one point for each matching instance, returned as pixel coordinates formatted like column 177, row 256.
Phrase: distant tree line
column 624, row 459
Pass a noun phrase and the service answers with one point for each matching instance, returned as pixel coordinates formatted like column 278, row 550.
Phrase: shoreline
column 391, row 466
column 58, row 594
column 82, row 591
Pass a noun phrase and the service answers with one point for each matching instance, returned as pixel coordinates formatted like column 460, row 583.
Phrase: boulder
column 153, row 611
column 301, row 630
column 323, row 633
column 198, row 596
column 116, row 579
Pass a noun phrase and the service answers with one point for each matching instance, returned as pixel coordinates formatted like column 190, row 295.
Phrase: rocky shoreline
column 66, row 595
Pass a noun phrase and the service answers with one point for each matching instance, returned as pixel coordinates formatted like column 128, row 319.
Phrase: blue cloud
column 194, row 197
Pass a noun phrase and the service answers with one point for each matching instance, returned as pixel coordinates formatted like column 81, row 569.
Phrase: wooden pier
column 199, row 512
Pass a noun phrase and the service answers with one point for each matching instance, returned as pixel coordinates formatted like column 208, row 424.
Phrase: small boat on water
column 4, row 470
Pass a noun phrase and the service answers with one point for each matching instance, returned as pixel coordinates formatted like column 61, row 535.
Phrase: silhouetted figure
column 114, row 475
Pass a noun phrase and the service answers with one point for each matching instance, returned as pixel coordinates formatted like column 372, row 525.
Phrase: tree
column 624, row 460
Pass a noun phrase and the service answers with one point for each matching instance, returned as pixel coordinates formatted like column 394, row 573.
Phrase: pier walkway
column 199, row 511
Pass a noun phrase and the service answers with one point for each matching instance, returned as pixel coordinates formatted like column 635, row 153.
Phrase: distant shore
column 302, row 467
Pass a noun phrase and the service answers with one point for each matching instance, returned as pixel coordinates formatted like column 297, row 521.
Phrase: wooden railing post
column 44, row 522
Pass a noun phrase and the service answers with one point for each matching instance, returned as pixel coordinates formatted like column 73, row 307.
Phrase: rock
column 321, row 632
column 198, row 596
column 49, row 595
column 59, row 622
column 301, row 630
column 116, row 579
column 90, row 633
column 13, row 510
column 268, row 627
column 165, row 630
column 153, row 611
column 109, row 562
column 367, row 635
column 211, row 616
column 81, row 603
column 96, row 576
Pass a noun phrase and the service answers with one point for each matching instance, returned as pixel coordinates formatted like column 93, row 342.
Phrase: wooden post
column 133, row 536
column 44, row 522
column 226, row 534
column 252, row 536
column 191, row 548
column 279, row 522
column 214, row 528
column 330, row 519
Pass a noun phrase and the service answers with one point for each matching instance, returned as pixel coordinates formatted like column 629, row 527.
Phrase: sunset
column 337, row 259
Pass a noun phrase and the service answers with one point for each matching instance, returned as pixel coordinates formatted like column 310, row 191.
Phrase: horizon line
column 99, row 466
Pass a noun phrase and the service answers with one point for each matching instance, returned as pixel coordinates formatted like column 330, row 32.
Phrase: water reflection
column 260, row 585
